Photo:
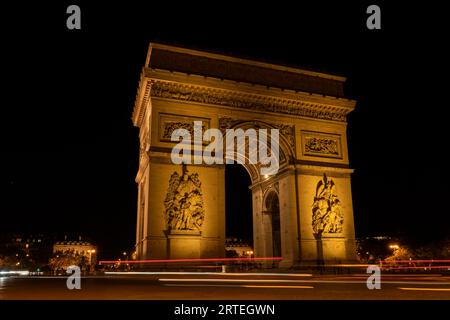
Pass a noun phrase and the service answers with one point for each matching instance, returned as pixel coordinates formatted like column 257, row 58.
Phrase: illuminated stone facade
column 81, row 248
column 292, row 213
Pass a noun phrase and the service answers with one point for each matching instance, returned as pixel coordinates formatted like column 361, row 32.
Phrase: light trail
column 190, row 260
column 208, row 273
column 426, row 289
column 279, row 287
column 233, row 280
column 238, row 286
column 216, row 280
column 414, row 267
column 19, row 272
column 413, row 261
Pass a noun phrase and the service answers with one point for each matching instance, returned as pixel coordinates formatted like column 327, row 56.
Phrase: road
column 204, row 286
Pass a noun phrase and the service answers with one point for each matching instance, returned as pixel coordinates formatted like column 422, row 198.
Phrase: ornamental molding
column 286, row 130
column 171, row 90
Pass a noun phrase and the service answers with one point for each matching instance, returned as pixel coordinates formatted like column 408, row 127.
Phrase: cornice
column 142, row 97
column 236, row 95
column 208, row 81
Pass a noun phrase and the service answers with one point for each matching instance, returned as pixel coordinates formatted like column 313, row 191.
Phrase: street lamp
column 125, row 254
column 91, row 251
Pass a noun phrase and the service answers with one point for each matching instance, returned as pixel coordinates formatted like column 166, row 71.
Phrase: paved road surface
column 227, row 286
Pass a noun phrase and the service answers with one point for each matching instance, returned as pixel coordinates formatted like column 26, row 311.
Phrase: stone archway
column 310, row 194
column 272, row 205
column 267, row 220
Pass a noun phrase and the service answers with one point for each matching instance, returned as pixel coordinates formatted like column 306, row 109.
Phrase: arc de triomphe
column 303, row 213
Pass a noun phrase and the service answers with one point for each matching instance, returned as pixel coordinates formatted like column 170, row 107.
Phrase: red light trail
column 191, row 260
column 412, row 261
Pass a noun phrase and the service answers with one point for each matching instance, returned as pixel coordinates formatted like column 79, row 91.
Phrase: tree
column 402, row 253
column 7, row 262
column 61, row 261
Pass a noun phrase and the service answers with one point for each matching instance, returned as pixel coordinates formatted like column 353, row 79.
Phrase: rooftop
column 71, row 243
column 219, row 66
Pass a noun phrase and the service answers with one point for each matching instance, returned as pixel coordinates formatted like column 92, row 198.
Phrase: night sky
column 69, row 151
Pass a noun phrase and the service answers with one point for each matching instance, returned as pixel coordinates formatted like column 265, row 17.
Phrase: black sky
column 68, row 150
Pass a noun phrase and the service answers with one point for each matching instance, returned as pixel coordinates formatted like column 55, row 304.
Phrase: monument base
column 327, row 250
column 183, row 244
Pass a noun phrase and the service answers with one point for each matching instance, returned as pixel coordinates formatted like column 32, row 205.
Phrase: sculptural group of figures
column 184, row 202
column 328, row 215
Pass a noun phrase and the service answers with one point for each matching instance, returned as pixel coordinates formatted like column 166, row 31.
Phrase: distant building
column 81, row 248
column 238, row 248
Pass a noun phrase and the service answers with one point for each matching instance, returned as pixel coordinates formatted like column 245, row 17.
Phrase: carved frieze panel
column 169, row 122
column 248, row 102
column 321, row 144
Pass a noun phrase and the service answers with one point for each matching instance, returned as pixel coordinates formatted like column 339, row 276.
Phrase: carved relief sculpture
column 319, row 144
column 169, row 123
column 167, row 90
column 171, row 126
column 322, row 145
column 328, row 216
column 184, row 208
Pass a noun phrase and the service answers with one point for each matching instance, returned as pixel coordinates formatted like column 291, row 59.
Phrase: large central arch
column 302, row 213
column 268, row 240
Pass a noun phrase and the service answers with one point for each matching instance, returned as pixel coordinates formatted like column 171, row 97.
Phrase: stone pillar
column 162, row 242
column 259, row 245
column 288, row 221
column 336, row 242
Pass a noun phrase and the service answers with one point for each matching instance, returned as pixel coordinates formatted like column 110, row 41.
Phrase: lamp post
column 125, row 254
column 91, row 266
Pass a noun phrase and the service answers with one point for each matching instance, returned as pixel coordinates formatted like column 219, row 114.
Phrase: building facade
column 77, row 248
